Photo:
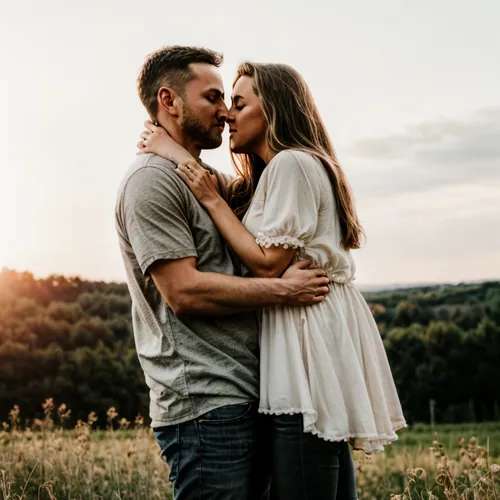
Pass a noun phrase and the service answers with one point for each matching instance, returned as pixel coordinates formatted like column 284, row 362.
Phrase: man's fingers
column 302, row 264
column 323, row 290
column 320, row 272
column 320, row 281
column 318, row 298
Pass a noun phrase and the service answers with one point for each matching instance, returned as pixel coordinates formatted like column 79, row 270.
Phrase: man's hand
column 305, row 286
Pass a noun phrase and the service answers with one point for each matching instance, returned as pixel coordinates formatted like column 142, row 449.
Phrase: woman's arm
column 156, row 140
column 263, row 262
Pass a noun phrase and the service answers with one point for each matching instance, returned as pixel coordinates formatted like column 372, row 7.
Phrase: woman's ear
column 169, row 100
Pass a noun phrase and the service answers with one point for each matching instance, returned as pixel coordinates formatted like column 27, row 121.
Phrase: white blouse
column 326, row 361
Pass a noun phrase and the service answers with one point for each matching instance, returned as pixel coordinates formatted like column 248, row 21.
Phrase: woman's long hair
column 293, row 123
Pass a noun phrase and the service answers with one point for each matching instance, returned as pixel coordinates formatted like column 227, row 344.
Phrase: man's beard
column 205, row 137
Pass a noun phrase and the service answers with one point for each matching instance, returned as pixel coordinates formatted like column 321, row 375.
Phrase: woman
column 325, row 378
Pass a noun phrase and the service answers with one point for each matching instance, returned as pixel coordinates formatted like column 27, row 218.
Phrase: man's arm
column 188, row 291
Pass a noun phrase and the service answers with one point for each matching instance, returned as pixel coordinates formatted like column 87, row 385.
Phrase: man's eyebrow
column 217, row 92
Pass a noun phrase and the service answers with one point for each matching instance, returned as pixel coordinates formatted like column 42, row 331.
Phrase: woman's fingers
column 194, row 166
column 150, row 125
column 186, row 171
column 182, row 175
column 146, row 134
column 142, row 148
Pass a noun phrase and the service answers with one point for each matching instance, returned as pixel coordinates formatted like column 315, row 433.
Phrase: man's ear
column 169, row 100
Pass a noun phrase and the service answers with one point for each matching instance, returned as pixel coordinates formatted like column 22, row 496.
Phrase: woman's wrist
column 213, row 202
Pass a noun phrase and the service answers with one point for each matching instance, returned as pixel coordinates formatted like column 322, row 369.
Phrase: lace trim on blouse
column 286, row 241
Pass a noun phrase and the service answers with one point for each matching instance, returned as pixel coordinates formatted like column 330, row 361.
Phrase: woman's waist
column 340, row 269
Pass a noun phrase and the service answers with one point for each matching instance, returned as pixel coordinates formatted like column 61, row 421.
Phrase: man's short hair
column 169, row 66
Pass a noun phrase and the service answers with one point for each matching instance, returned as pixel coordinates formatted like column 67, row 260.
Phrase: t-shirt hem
column 201, row 410
column 179, row 254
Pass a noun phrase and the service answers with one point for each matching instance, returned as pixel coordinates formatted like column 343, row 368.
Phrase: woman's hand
column 201, row 181
column 157, row 141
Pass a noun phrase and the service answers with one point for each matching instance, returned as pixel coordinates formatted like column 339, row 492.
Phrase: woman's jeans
column 306, row 467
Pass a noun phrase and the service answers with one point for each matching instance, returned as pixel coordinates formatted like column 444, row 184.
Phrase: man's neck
column 181, row 139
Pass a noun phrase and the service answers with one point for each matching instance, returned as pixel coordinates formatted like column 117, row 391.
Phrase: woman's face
column 247, row 123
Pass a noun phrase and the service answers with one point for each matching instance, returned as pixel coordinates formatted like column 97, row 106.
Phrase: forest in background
column 71, row 340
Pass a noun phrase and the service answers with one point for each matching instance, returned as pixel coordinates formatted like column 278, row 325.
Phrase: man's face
column 204, row 111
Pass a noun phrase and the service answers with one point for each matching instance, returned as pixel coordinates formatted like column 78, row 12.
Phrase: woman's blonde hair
column 293, row 123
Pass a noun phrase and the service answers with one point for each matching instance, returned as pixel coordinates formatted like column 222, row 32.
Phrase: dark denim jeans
column 217, row 456
column 306, row 467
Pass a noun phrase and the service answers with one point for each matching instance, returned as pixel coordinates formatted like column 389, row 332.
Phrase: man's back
column 196, row 363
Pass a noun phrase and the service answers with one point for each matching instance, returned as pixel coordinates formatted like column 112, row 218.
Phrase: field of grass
column 47, row 461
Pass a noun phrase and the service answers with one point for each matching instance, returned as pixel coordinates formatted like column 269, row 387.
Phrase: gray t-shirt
column 192, row 364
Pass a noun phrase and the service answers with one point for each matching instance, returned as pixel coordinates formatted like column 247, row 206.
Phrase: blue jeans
column 217, row 456
column 306, row 467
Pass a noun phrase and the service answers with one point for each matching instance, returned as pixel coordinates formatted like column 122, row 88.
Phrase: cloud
column 430, row 156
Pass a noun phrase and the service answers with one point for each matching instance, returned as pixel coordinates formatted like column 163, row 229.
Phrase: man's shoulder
column 149, row 168
column 149, row 164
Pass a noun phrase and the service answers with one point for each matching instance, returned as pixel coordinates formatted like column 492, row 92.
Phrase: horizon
column 375, row 287
column 417, row 135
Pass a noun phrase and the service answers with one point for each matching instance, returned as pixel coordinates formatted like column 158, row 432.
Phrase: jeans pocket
column 226, row 414
column 167, row 438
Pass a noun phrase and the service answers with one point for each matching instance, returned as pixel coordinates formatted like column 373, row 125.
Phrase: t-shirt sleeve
column 156, row 219
column 292, row 201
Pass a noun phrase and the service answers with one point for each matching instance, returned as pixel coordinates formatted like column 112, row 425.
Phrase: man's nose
column 223, row 112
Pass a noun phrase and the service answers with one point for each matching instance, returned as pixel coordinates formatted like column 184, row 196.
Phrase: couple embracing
column 264, row 364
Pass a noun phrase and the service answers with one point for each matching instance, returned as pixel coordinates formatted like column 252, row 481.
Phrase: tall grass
column 44, row 460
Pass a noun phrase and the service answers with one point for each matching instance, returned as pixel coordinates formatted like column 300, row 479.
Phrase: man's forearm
column 220, row 294
column 188, row 291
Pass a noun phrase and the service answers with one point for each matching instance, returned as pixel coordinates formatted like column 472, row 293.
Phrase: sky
column 408, row 91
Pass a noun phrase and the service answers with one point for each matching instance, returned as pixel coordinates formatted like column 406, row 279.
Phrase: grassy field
column 47, row 461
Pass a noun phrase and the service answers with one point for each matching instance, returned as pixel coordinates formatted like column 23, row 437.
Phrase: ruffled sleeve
column 292, row 201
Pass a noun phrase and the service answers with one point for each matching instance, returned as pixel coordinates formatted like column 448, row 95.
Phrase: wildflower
column 124, row 423
column 63, row 413
column 48, row 406
column 14, row 417
column 92, row 418
column 112, row 414
column 420, row 473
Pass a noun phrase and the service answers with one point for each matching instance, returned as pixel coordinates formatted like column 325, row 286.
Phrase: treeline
column 72, row 340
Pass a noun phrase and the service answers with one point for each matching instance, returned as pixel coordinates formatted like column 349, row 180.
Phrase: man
column 195, row 329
